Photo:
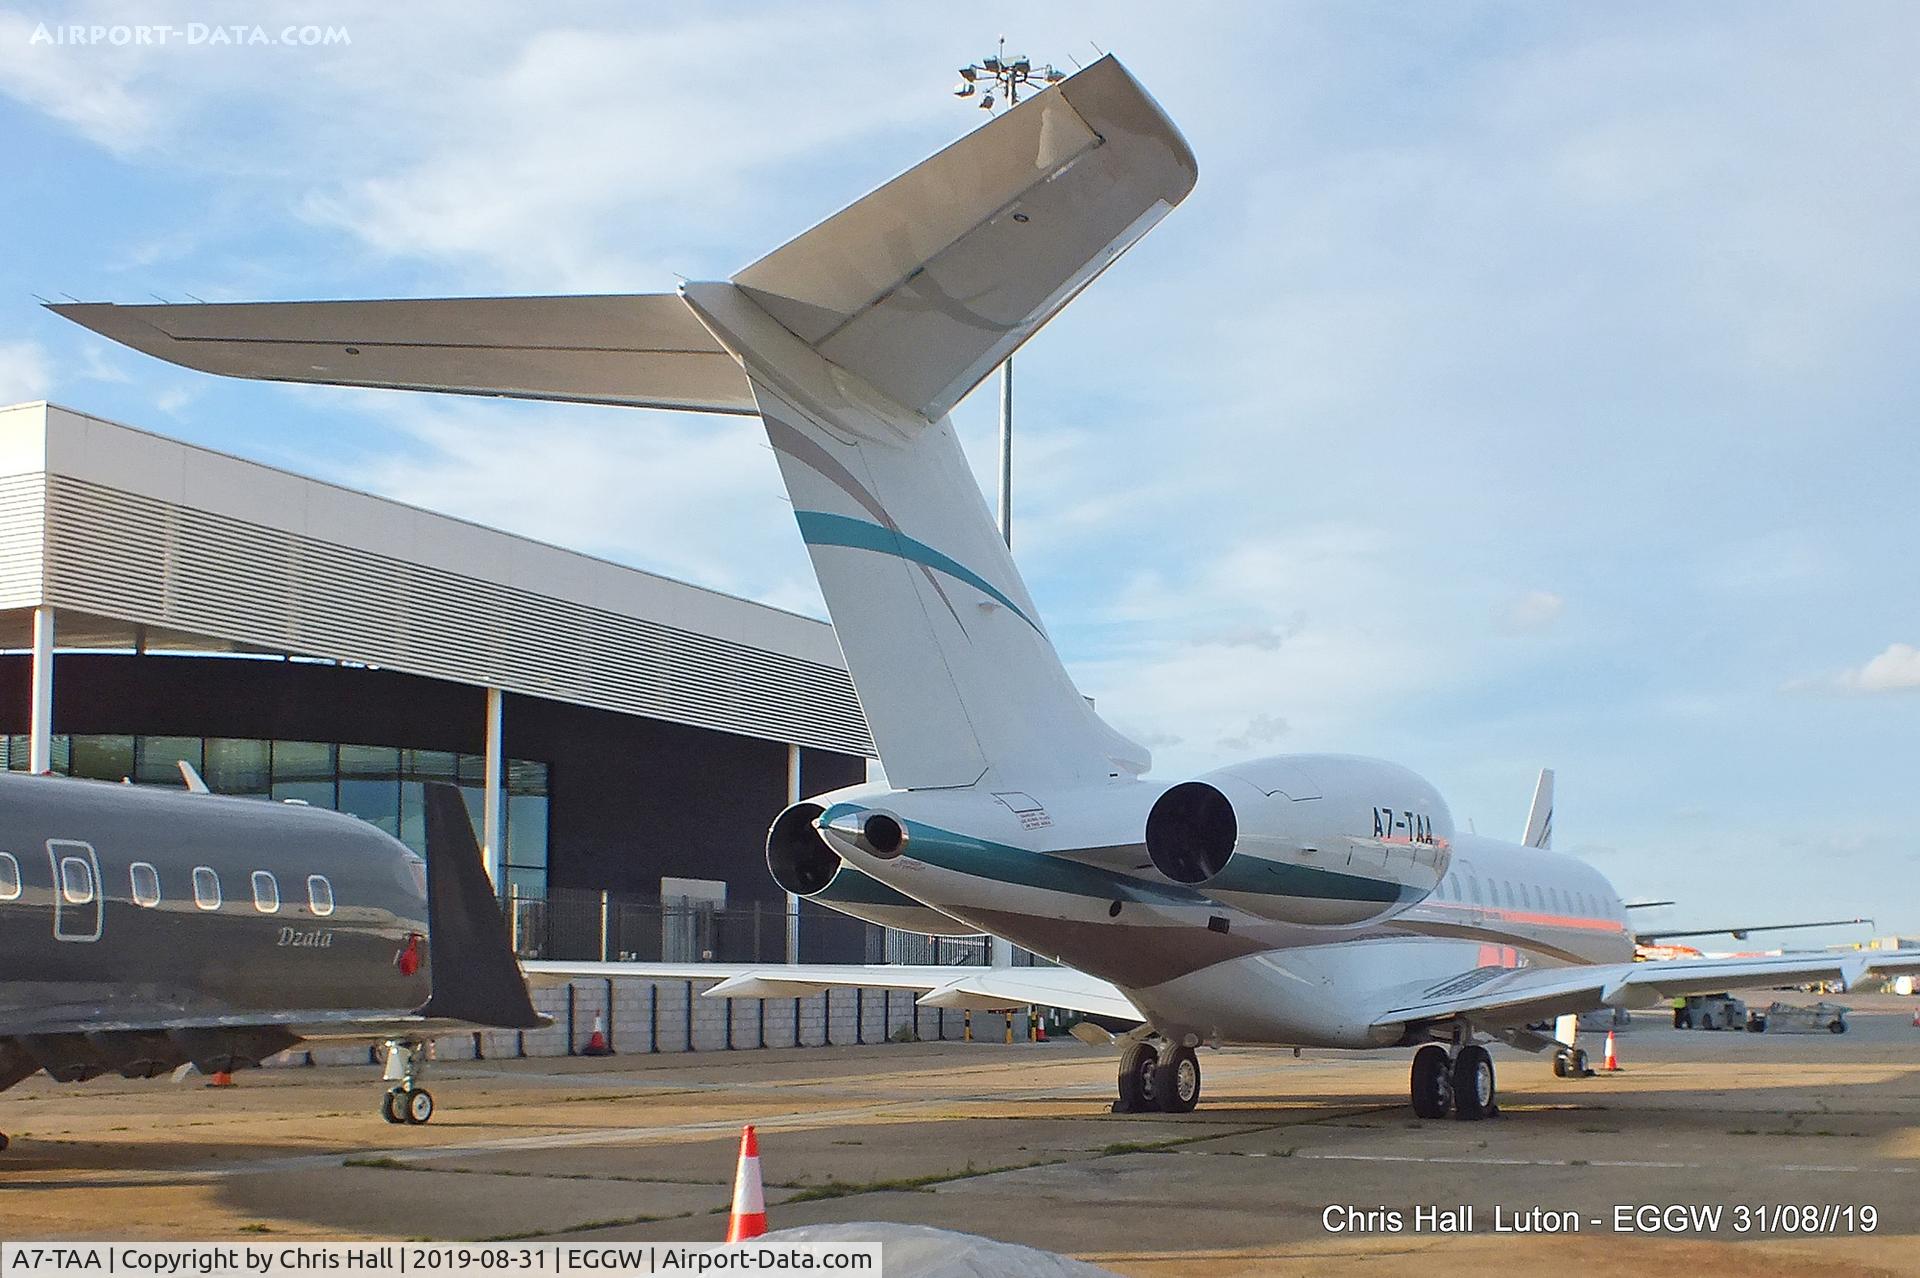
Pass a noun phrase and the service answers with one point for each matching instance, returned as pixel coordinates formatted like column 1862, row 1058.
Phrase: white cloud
column 24, row 372
column 1533, row 612
column 1895, row 669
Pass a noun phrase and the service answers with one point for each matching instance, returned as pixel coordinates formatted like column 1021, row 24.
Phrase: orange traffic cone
column 597, row 1044
column 749, row 1218
column 1613, row 1060
column 221, row 1078
column 1916, row 1018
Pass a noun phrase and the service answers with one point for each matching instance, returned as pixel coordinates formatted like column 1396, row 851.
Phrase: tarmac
column 1015, row 1142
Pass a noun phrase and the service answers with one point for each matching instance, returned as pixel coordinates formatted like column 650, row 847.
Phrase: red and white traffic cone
column 597, row 1044
column 1613, row 1060
column 749, row 1217
column 1916, row 1018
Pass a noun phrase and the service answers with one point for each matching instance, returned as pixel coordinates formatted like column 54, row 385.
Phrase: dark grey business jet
column 144, row 929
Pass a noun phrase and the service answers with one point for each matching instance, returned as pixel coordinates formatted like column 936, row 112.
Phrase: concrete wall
column 653, row 1016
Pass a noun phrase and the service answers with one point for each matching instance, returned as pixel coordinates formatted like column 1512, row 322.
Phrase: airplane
column 144, row 929
column 1318, row 900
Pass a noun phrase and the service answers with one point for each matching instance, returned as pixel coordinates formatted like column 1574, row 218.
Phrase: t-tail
column 851, row 343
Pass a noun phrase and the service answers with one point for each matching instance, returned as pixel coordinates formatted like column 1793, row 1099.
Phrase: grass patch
column 388, row 1164
column 255, row 1228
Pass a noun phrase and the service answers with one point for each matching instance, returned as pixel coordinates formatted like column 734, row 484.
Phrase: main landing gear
column 1158, row 1076
column 406, row 1101
column 1458, row 1082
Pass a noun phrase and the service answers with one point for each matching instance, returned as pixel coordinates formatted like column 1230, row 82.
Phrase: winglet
column 1540, row 816
column 475, row 976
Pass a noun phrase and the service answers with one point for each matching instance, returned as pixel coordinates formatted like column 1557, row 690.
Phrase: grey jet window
column 319, row 895
column 76, row 880
column 266, row 893
column 9, row 877
column 206, row 888
column 1473, row 889
column 145, row 882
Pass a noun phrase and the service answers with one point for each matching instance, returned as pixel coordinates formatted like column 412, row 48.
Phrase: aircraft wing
column 978, row 989
column 1739, row 932
column 1500, row 997
column 644, row 350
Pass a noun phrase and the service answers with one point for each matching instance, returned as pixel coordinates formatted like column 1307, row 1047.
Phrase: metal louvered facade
column 112, row 523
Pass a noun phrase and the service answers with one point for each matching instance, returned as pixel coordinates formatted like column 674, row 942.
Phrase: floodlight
column 967, row 73
column 964, row 89
column 990, row 65
column 986, row 103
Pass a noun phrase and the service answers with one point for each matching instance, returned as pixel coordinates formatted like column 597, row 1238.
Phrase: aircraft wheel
column 417, row 1104
column 1837, row 1027
column 1562, row 1064
column 1176, row 1084
column 1137, row 1067
column 1432, row 1085
column 1473, row 1095
column 1582, row 1068
column 390, row 1107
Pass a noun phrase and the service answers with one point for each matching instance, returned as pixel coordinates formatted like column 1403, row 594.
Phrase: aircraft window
column 1508, row 887
column 1473, row 888
column 319, row 895
column 9, row 877
column 266, row 893
column 206, row 888
column 145, row 882
column 76, row 881
column 1539, row 902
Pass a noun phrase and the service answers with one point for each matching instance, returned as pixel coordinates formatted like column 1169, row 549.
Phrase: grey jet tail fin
column 475, row 976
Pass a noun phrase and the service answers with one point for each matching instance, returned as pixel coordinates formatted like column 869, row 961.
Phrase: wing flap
column 644, row 350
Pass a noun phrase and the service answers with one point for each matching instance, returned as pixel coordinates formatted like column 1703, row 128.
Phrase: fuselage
column 1331, row 900
column 129, row 907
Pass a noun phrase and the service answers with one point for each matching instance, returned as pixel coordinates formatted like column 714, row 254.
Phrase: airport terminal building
column 616, row 732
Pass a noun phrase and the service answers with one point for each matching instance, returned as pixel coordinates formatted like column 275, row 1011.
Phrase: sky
column 1522, row 385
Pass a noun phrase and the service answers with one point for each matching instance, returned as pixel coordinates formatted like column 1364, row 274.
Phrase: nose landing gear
column 406, row 1101
column 1460, row 1082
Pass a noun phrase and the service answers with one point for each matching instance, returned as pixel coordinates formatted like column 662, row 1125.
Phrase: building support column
column 793, row 899
column 494, row 834
column 40, row 727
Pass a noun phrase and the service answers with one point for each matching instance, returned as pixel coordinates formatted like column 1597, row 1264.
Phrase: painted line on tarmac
column 1640, row 1163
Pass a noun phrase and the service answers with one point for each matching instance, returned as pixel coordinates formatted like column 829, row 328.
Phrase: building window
column 145, row 882
column 382, row 785
column 206, row 888
column 319, row 895
column 9, row 877
column 76, row 880
column 266, row 893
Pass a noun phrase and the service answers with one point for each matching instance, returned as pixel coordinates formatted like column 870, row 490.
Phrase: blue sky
column 1522, row 385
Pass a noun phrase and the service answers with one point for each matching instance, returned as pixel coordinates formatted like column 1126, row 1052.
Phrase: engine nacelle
column 1313, row 839
column 803, row 864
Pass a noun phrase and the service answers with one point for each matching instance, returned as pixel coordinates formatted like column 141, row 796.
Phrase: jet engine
column 803, row 864
column 1312, row 839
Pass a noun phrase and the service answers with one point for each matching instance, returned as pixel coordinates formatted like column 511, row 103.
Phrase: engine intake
column 1191, row 832
column 799, row 858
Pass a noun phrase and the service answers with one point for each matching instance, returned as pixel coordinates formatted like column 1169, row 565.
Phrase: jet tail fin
column 1540, row 816
column 475, row 976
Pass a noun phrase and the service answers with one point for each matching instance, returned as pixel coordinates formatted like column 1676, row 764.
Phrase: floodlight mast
column 1003, row 78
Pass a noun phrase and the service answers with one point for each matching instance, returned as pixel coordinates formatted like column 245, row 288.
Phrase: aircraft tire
column 1137, row 1066
column 1432, row 1083
column 1837, row 1027
column 1473, row 1084
column 390, row 1107
column 1562, row 1065
column 1582, row 1067
column 417, row 1105
column 1176, row 1083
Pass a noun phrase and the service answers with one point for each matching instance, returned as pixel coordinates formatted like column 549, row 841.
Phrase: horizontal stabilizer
column 923, row 287
column 645, row 350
